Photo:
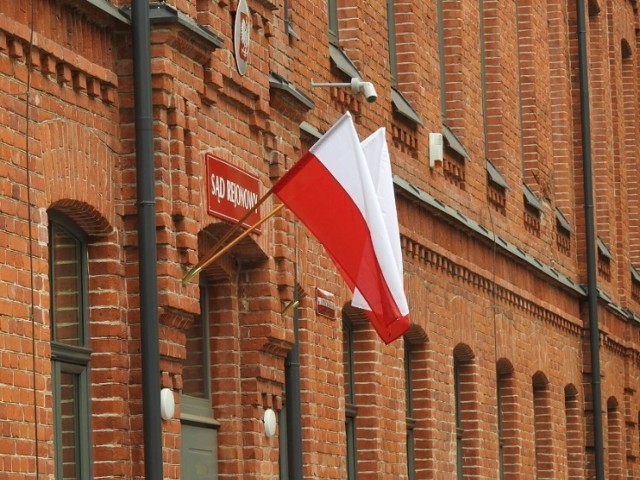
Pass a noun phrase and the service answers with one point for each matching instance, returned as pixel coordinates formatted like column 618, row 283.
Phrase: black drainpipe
column 592, row 287
column 292, row 388
column 148, row 275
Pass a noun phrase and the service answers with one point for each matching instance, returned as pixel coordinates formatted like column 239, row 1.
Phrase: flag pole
column 213, row 254
column 199, row 266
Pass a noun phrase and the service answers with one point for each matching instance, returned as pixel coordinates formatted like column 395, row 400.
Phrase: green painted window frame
column 196, row 412
column 501, row 441
column 351, row 410
column 287, row 22
column 459, row 429
column 199, row 409
column 393, row 54
column 283, row 442
column 71, row 359
column 410, row 420
column 441, row 60
column 332, row 19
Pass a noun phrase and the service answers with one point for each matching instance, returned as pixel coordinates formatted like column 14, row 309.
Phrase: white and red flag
column 331, row 189
column 378, row 160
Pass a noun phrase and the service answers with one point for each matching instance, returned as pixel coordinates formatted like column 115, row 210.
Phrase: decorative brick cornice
column 499, row 293
column 614, row 346
column 57, row 62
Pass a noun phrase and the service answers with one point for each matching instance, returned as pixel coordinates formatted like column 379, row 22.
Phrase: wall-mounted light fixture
column 436, row 150
column 167, row 404
column 270, row 422
column 357, row 86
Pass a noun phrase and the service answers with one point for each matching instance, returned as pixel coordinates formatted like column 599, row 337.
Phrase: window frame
column 283, row 441
column 287, row 22
column 458, row 426
column 410, row 420
column 351, row 409
column 501, row 378
column 200, row 409
column 393, row 54
column 332, row 21
column 441, row 60
column 71, row 359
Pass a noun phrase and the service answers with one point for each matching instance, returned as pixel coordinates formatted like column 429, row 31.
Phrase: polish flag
column 378, row 160
column 331, row 190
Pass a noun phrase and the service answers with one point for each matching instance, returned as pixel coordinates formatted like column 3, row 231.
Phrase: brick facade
column 495, row 259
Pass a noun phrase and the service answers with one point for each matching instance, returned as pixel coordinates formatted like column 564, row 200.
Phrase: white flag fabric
column 331, row 190
column 378, row 160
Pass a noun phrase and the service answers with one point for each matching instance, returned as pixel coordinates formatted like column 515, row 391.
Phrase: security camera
column 366, row 88
column 369, row 92
column 357, row 86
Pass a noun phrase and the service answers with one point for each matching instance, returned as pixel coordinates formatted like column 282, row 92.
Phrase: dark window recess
column 453, row 166
column 402, row 107
column 563, row 233
column 604, row 259
column 532, row 211
column 635, row 283
column 496, row 189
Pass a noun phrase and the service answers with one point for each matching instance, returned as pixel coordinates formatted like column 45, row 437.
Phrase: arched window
column 614, row 441
column 573, row 433
column 509, row 430
column 418, row 391
column 466, row 408
column 543, row 427
column 70, row 352
column 408, row 375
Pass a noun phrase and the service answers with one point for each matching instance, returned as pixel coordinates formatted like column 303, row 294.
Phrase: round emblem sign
column 241, row 36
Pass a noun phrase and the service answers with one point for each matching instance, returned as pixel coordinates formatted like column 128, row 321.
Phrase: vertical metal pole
column 148, row 275
column 592, row 288
column 292, row 379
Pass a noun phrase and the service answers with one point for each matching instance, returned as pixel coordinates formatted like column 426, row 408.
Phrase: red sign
column 325, row 303
column 231, row 192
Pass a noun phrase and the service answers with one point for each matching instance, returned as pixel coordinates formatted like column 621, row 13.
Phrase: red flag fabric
column 331, row 190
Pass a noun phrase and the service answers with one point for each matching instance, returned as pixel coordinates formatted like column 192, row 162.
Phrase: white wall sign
column 242, row 36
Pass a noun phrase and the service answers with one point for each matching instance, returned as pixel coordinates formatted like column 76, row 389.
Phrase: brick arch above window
column 570, row 390
column 625, row 48
column 540, row 380
column 463, row 353
column 615, row 440
column 504, row 367
column 416, row 335
column 574, row 450
column 86, row 216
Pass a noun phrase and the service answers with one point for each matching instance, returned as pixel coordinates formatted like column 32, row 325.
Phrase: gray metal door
column 199, row 453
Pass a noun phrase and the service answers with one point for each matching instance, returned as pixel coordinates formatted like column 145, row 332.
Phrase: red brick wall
column 67, row 142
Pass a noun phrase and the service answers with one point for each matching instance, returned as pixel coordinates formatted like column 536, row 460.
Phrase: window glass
column 66, row 288
column 391, row 26
column 332, row 14
column 408, row 372
column 69, row 424
column 194, row 373
column 70, row 357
